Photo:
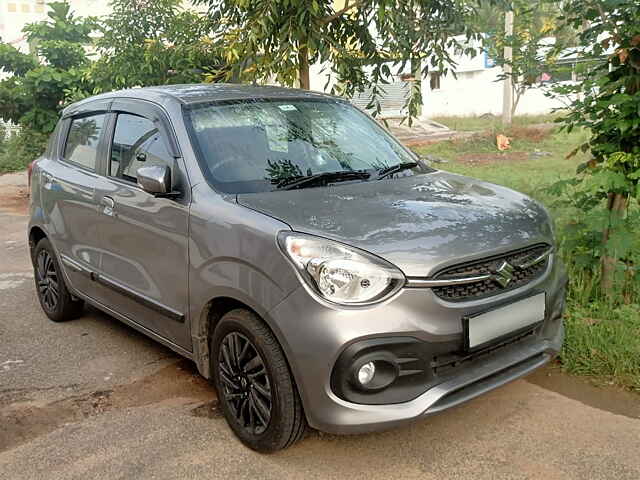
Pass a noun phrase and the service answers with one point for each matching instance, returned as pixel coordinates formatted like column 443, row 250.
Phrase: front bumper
column 314, row 335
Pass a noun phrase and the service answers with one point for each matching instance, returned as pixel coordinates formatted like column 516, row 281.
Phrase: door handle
column 109, row 206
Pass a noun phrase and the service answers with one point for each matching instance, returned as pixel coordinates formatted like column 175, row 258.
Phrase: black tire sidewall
column 65, row 308
column 268, row 440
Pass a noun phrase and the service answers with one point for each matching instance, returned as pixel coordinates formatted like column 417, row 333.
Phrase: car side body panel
column 144, row 250
column 233, row 254
column 144, row 240
column 68, row 217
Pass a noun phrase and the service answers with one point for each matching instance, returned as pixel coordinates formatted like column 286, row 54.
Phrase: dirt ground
column 14, row 193
column 95, row 399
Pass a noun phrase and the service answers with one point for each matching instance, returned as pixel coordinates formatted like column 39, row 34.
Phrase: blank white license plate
column 485, row 328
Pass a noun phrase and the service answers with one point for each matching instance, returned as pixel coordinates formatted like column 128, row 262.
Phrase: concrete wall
column 476, row 90
column 476, row 93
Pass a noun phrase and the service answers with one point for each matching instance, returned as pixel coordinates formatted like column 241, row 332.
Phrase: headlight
column 339, row 273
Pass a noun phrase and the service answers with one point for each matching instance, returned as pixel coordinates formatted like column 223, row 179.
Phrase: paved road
column 94, row 399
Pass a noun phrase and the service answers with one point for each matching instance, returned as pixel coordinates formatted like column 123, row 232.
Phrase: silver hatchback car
column 318, row 272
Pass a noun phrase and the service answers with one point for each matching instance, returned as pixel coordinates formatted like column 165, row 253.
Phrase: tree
column 154, row 42
column 607, row 104
column 358, row 43
column 532, row 54
column 40, row 84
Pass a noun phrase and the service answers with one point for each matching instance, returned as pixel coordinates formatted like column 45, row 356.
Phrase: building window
column 12, row 7
column 434, row 80
column 25, row 7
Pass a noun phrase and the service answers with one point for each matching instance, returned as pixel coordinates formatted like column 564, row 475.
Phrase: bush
column 19, row 149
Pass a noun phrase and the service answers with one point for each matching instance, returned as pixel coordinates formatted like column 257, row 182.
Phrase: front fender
column 233, row 254
column 229, row 279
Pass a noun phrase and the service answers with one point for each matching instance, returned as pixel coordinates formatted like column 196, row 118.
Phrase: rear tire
column 53, row 294
column 256, row 390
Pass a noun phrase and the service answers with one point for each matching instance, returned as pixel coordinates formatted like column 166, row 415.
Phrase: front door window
column 137, row 142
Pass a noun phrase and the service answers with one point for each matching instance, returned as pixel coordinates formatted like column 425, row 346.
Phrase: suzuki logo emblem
column 504, row 274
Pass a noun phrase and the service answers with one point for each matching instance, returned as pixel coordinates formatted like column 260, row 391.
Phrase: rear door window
column 81, row 147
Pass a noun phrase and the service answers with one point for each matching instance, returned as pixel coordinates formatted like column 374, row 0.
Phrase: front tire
column 256, row 391
column 53, row 294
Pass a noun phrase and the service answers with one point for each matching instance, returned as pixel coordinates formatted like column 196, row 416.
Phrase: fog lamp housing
column 372, row 373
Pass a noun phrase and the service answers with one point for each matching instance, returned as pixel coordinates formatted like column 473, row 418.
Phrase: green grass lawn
column 603, row 341
column 477, row 123
column 531, row 175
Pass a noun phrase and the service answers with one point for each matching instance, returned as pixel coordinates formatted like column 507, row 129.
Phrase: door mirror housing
column 156, row 180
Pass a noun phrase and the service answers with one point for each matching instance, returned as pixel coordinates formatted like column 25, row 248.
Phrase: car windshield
column 258, row 146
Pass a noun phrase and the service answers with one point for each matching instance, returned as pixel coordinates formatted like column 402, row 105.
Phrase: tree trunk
column 616, row 204
column 517, row 94
column 507, row 83
column 416, row 72
column 303, row 68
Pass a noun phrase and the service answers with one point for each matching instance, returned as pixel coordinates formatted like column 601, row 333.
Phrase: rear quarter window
column 52, row 144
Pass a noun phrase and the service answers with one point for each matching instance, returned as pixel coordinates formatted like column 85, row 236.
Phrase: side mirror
column 156, row 180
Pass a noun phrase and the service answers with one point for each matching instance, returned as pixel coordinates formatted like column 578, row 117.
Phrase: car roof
column 189, row 94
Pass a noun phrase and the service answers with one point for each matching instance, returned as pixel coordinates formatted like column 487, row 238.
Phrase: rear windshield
column 251, row 147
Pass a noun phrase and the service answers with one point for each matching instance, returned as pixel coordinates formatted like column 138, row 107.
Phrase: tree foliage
column 360, row 43
column 534, row 23
column 154, row 42
column 607, row 103
column 40, row 83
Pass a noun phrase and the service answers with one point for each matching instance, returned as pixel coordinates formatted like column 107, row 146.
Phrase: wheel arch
column 204, row 324
column 213, row 311
column 36, row 233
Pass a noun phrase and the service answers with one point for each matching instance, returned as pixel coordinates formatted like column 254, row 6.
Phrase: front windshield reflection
column 249, row 147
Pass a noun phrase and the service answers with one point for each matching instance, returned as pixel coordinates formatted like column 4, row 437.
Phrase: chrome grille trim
column 427, row 283
column 434, row 282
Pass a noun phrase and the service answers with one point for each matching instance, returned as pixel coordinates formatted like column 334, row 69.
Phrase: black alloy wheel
column 256, row 391
column 246, row 383
column 55, row 298
column 47, row 281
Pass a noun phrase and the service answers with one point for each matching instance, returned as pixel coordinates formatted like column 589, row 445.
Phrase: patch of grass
column 491, row 122
column 546, row 166
column 604, row 343
column 602, row 340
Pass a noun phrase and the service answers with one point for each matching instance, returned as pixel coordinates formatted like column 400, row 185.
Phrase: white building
column 475, row 90
column 16, row 14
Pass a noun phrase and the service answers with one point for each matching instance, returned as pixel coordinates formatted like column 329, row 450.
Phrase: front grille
column 488, row 287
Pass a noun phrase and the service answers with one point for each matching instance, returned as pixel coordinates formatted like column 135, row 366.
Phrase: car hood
column 419, row 223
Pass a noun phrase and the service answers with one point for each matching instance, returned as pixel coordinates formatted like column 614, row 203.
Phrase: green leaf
column 620, row 242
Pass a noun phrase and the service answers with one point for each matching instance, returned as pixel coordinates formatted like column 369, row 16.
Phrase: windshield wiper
column 324, row 178
column 385, row 172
